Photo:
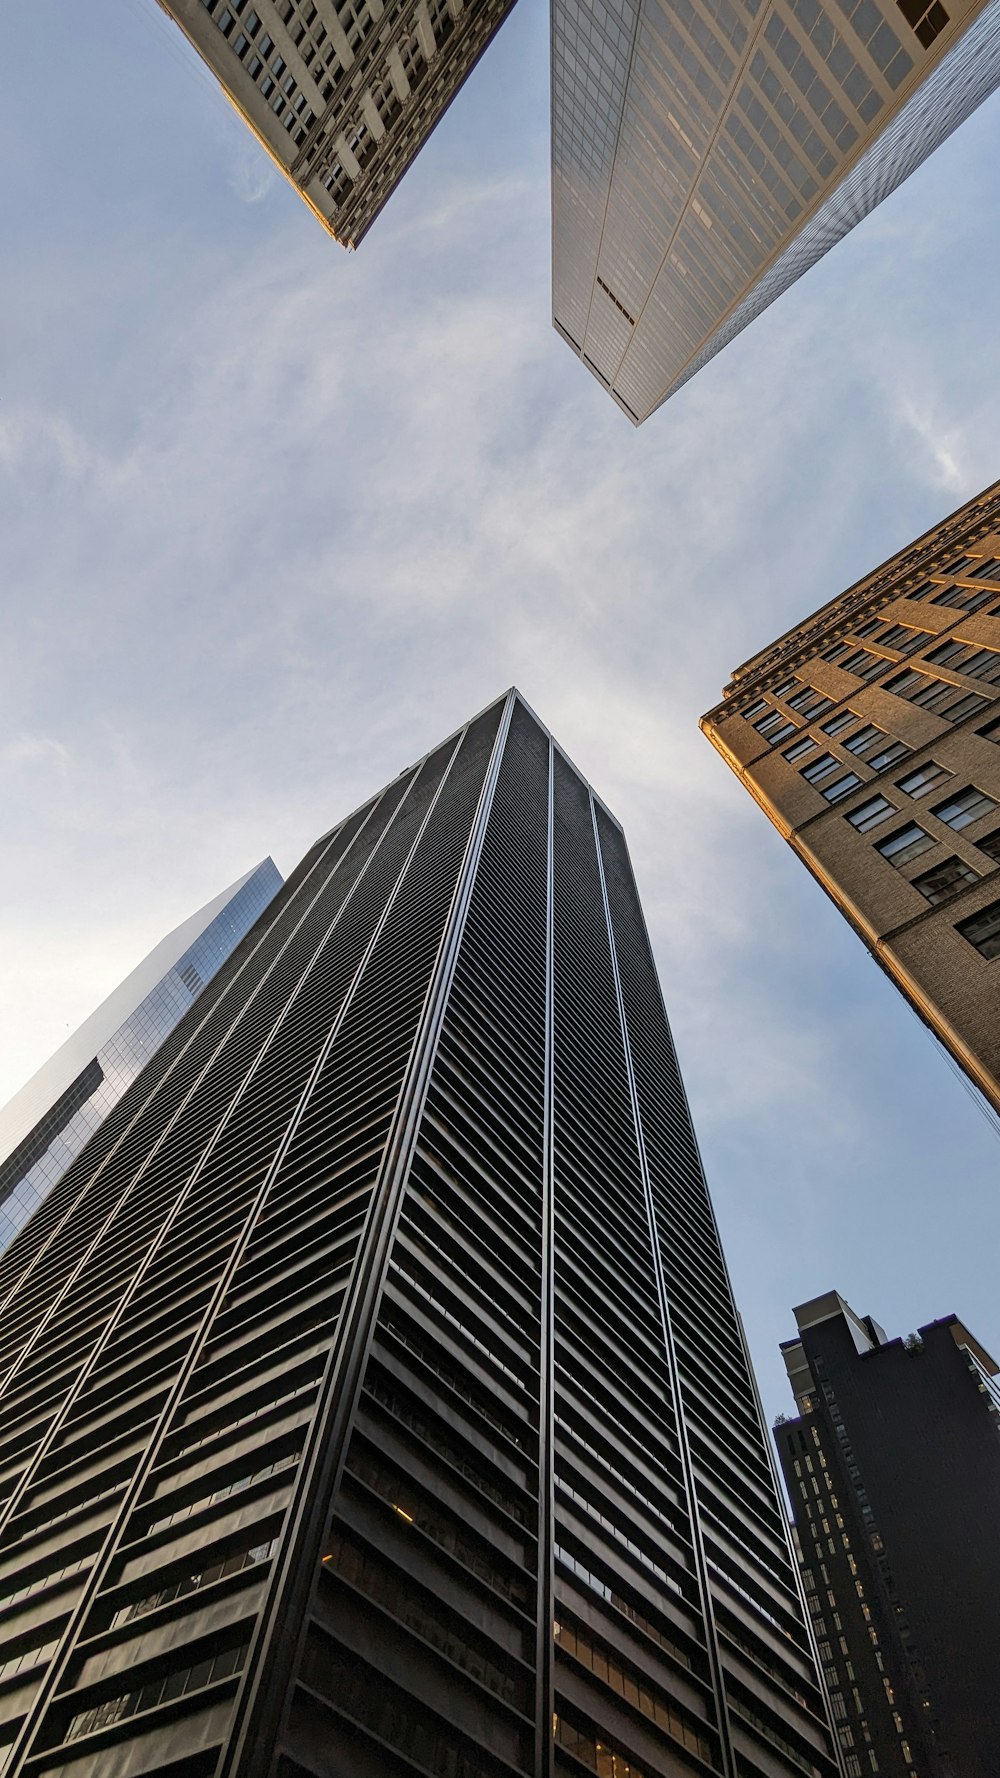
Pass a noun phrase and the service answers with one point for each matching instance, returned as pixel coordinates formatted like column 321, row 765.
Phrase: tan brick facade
column 864, row 735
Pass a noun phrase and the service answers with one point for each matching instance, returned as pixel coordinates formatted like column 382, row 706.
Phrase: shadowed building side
column 893, row 1470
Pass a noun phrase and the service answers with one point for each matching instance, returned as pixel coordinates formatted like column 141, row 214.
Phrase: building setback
column 49, row 1120
column 705, row 154
column 342, row 96
column 374, row 1399
column 870, row 734
column 893, row 1470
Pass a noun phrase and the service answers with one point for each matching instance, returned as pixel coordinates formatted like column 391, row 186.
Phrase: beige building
column 870, row 734
column 342, row 96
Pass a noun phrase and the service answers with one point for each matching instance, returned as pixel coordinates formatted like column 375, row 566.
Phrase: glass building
column 342, row 94
column 373, row 1397
column 706, row 154
column 46, row 1124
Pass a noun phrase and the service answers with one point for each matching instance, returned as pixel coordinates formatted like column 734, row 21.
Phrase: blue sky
column 276, row 518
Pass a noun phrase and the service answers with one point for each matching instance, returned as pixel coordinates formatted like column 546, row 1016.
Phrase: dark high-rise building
column 893, row 1469
column 374, row 1401
column 57, row 1111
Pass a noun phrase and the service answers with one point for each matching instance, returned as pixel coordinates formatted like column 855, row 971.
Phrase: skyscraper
column 893, row 1470
column 705, row 155
column 341, row 93
column 870, row 734
column 374, row 1399
column 48, row 1121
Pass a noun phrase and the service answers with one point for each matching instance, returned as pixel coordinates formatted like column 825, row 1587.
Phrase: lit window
column 905, row 844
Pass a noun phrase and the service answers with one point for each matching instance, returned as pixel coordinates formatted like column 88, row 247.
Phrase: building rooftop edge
column 746, row 668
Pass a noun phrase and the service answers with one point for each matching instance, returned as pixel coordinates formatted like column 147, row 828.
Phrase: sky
column 276, row 518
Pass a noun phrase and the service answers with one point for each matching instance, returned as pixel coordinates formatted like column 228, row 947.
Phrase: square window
column 871, row 814
column 905, row 844
column 983, row 930
column 944, row 880
column 924, row 779
column 964, row 807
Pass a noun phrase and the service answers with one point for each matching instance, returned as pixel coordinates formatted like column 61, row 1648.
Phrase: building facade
column 373, row 1399
column 705, row 155
column 870, row 735
column 893, row 1470
column 341, row 93
column 46, row 1124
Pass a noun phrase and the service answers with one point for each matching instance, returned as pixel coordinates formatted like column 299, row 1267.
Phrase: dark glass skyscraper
column 374, row 1401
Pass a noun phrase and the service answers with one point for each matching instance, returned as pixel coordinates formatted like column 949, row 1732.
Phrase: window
column 836, row 653
column 866, row 737
column 964, row 807
column 820, row 768
column 923, row 591
column 904, row 639
column 864, row 665
column 965, row 598
column 983, row 930
column 801, row 750
column 963, row 562
column 961, row 657
column 986, row 571
column 871, row 814
column 944, row 880
column 809, row 702
column 925, row 779
column 936, row 695
column 843, row 787
column 991, row 732
column 905, row 844
column 990, row 844
column 773, row 720
column 838, row 723
column 888, row 756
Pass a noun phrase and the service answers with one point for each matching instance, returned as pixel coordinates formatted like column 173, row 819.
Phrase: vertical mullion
column 694, row 1515
column 544, row 1679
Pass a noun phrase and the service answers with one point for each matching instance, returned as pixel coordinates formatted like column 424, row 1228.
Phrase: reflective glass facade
column 47, row 1123
column 706, row 154
column 374, row 1401
column 342, row 93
